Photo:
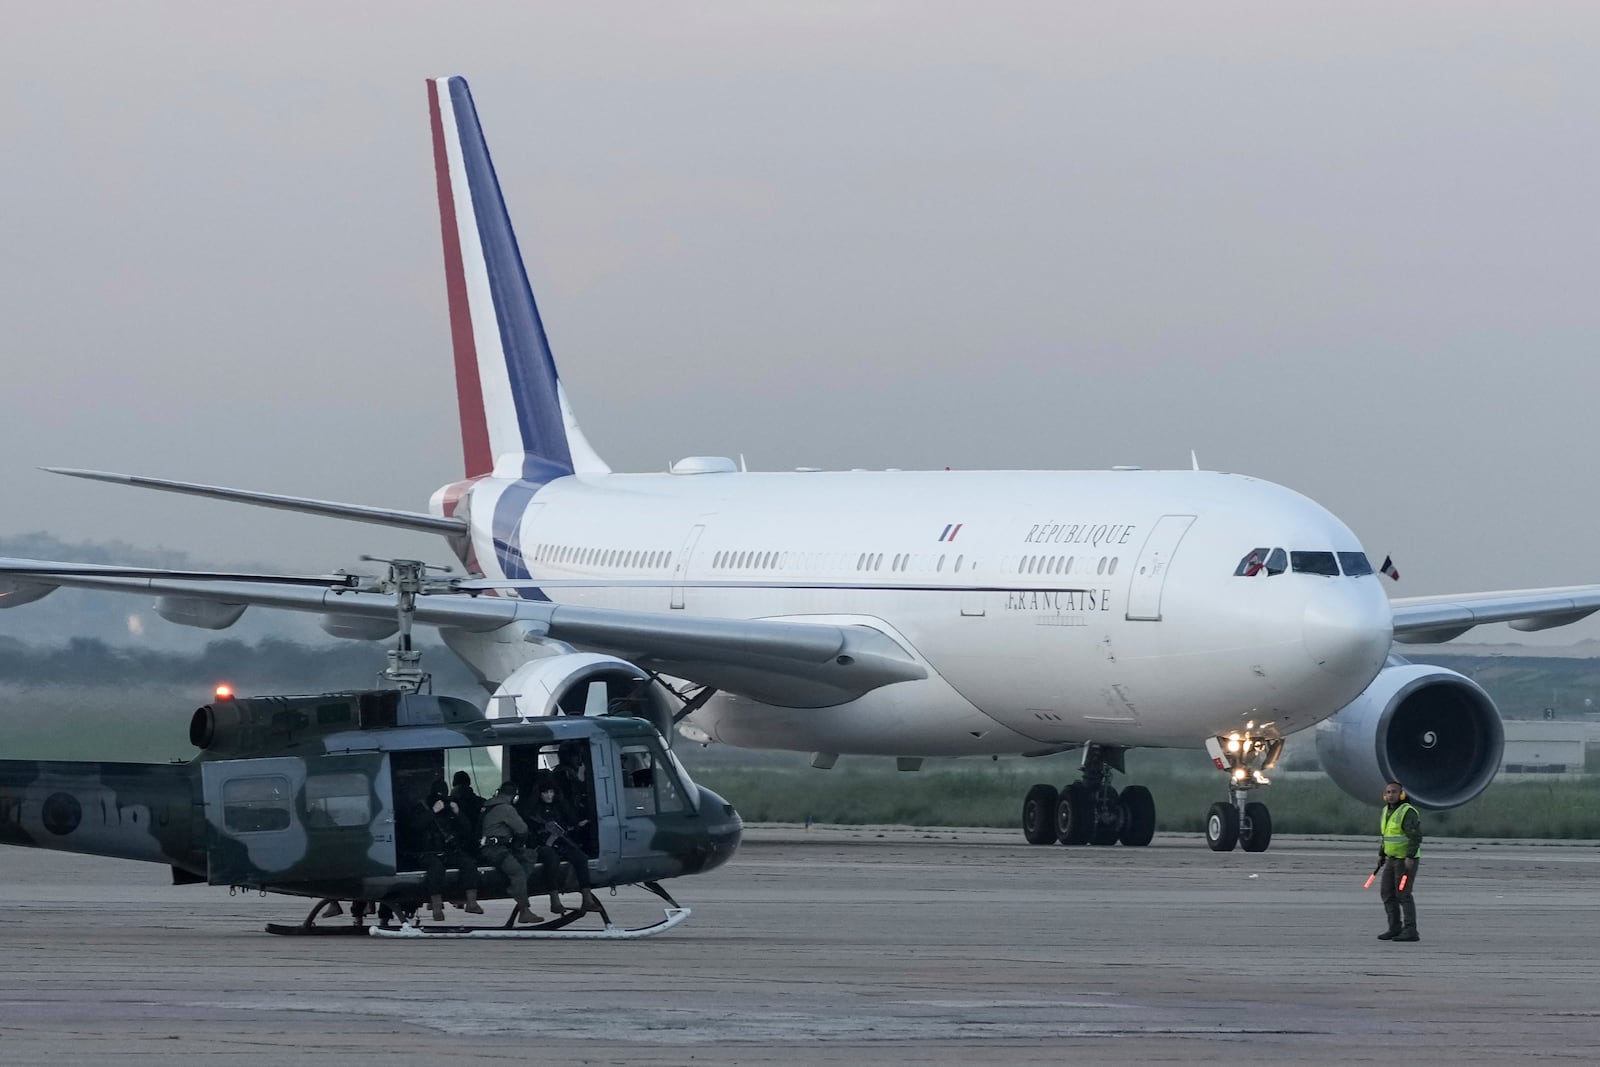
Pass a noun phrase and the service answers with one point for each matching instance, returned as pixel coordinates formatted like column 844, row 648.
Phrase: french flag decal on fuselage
column 951, row 531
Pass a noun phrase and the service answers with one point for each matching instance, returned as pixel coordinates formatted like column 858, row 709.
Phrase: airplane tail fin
column 511, row 401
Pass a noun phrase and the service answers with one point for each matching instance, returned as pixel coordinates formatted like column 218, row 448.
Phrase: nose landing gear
column 1240, row 820
column 1090, row 811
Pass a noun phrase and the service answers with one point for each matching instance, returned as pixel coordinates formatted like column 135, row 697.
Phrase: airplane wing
column 789, row 663
column 1431, row 620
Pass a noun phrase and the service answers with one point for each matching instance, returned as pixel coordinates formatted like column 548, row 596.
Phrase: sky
column 1346, row 247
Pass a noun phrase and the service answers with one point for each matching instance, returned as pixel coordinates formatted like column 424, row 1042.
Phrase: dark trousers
column 515, row 864
column 1398, row 903
column 436, row 864
column 550, row 857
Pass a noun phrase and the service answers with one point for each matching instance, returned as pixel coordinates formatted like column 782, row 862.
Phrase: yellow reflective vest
column 1391, row 824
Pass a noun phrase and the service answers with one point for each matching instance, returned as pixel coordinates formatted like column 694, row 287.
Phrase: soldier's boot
column 526, row 914
column 1408, row 930
column 556, row 907
column 436, row 907
column 589, row 903
column 333, row 910
column 472, row 904
column 1392, row 910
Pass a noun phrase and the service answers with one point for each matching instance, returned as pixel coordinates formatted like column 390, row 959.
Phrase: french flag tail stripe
column 511, row 399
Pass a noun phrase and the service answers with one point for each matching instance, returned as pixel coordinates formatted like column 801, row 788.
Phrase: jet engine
column 582, row 683
column 1432, row 730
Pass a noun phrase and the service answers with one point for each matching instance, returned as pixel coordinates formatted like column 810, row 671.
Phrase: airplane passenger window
column 940, row 566
column 1068, row 568
column 861, row 562
column 1102, row 569
column 1321, row 563
column 1113, row 568
column 958, row 563
column 1355, row 564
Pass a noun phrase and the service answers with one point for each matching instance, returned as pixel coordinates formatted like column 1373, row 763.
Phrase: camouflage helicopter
column 322, row 796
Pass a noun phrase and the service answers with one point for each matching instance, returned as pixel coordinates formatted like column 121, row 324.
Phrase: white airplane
column 906, row 614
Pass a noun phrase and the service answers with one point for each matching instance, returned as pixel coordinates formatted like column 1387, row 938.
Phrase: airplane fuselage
column 1051, row 608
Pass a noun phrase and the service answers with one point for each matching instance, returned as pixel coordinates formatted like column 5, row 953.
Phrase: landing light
column 1238, row 775
column 224, row 691
column 1233, row 745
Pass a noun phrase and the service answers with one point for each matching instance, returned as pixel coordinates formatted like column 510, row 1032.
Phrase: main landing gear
column 1240, row 820
column 1090, row 811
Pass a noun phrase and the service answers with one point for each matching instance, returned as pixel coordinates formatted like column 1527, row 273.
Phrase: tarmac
column 847, row 946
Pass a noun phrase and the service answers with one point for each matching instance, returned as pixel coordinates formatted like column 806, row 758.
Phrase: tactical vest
column 1391, row 826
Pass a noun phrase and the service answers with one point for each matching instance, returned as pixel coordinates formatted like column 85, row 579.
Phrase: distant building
column 1534, row 746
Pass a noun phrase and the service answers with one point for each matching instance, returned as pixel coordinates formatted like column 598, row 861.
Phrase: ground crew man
column 504, row 834
column 1401, row 830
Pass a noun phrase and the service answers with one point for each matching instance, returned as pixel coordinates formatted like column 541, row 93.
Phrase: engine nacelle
column 582, row 683
column 1432, row 730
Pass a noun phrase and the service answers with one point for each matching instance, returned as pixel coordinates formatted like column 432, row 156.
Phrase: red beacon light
column 224, row 691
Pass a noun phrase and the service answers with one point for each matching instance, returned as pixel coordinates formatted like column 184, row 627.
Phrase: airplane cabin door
column 288, row 819
column 680, row 569
column 1150, row 571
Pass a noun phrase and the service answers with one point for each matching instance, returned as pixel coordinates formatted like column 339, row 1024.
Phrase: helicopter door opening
column 570, row 767
column 290, row 819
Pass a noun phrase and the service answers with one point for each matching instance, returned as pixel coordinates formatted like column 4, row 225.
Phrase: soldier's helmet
column 544, row 782
column 461, row 778
column 438, row 791
column 507, row 789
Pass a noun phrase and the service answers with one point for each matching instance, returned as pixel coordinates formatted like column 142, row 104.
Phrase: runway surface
column 847, row 946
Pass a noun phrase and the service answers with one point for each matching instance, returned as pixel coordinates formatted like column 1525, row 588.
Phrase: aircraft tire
column 1074, row 815
column 1222, row 827
column 1138, row 816
column 1260, row 835
column 1039, row 815
column 1106, row 833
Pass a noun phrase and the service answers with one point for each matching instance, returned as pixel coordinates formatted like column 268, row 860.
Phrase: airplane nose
column 1348, row 629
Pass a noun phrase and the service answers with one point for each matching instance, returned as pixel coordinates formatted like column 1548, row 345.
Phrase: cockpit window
column 1254, row 562
column 1314, row 563
column 1355, row 564
column 1267, row 561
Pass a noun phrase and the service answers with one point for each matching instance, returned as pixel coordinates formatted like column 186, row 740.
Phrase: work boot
column 1408, row 933
column 1408, row 929
column 556, row 907
column 589, row 903
column 436, row 907
column 526, row 914
column 1393, row 911
column 472, row 905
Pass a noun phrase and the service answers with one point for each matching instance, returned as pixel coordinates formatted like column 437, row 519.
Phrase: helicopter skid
column 550, row 931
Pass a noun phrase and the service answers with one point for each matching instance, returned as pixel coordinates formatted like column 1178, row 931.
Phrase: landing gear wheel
column 1138, row 816
column 1108, row 818
column 1222, row 827
column 1259, row 835
column 1039, row 815
column 1074, row 815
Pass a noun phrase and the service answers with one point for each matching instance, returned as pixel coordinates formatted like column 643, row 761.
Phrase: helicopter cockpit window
column 1267, row 561
column 254, row 805
column 334, row 800
column 649, row 784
